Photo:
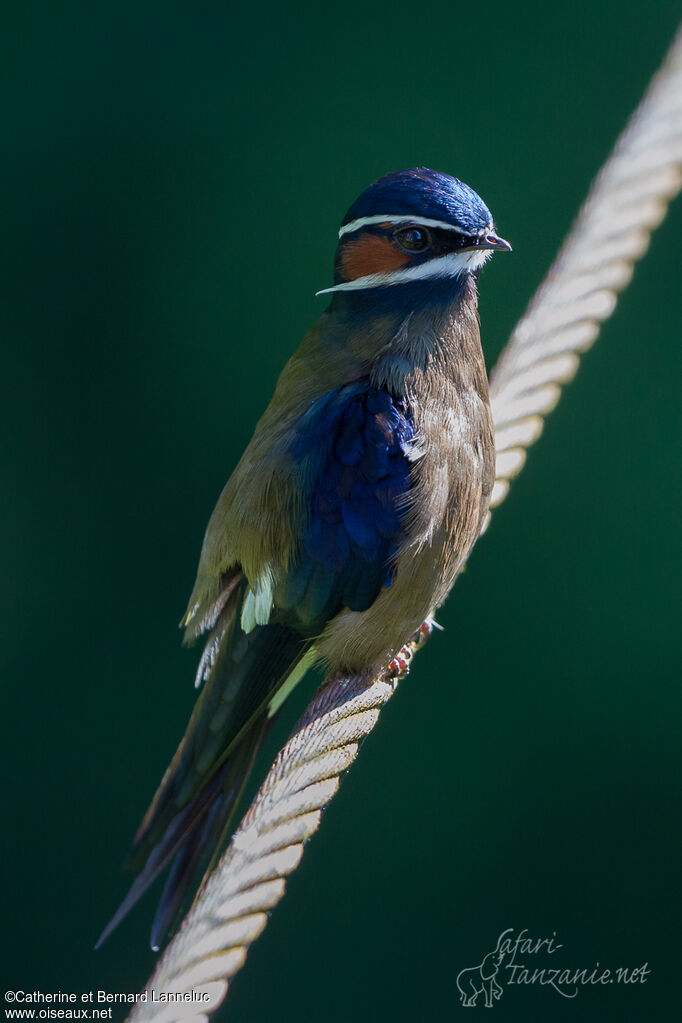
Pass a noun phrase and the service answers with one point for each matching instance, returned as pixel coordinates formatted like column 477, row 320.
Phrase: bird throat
column 438, row 294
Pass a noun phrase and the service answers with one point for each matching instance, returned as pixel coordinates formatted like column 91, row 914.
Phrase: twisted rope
column 627, row 201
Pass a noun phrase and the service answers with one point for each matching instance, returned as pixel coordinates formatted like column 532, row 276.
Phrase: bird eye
column 413, row 239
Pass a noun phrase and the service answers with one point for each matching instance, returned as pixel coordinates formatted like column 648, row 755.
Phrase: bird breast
column 439, row 370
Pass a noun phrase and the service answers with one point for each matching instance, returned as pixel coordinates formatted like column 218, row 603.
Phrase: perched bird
column 352, row 510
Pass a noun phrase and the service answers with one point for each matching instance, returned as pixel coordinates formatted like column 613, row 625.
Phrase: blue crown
column 420, row 192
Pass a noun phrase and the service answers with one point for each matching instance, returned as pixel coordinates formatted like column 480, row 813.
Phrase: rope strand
column 627, row 201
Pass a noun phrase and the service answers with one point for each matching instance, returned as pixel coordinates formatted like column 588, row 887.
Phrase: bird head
column 413, row 226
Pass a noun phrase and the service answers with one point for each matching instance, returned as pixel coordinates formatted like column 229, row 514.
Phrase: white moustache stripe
column 355, row 225
column 451, row 265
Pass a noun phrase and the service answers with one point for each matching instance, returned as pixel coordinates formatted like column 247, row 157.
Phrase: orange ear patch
column 370, row 254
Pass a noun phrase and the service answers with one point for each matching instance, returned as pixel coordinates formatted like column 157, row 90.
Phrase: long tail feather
column 242, row 682
column 188, row 820
column 175, row 837
column 205, row 843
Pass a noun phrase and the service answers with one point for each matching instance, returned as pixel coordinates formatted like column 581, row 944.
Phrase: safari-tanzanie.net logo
column 519, row 960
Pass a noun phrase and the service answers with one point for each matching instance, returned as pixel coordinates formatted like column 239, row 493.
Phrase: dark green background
column 175, row 175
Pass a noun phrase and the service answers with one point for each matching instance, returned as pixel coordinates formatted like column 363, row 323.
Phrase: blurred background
column 174, row 179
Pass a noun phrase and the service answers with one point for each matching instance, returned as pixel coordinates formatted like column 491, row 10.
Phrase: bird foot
column 424, row 632
column 400, row 665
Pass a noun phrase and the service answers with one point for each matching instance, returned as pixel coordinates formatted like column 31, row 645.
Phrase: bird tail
column 206, row 839
column 187, row 824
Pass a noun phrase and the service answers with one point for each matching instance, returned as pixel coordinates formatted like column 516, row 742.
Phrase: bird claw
column 424, row 632
column 400, row 665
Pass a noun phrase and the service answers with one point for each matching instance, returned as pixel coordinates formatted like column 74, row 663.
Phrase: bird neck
column 394, row 341
column 413, row 333
column 396, row 301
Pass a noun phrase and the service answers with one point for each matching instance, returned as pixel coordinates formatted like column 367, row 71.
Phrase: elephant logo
column 481, row 979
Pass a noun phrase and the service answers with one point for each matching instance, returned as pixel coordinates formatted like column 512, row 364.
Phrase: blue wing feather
column 355, row 445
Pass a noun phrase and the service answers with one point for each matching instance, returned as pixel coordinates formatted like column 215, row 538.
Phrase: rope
column 627, row 201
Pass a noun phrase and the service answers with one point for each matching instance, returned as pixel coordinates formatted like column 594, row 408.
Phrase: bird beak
column 492, row 241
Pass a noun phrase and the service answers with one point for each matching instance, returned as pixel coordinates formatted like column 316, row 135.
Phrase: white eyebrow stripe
column 451, row 265
column 355, row 225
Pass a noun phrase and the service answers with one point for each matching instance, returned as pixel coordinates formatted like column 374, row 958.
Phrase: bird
column 350, row 514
